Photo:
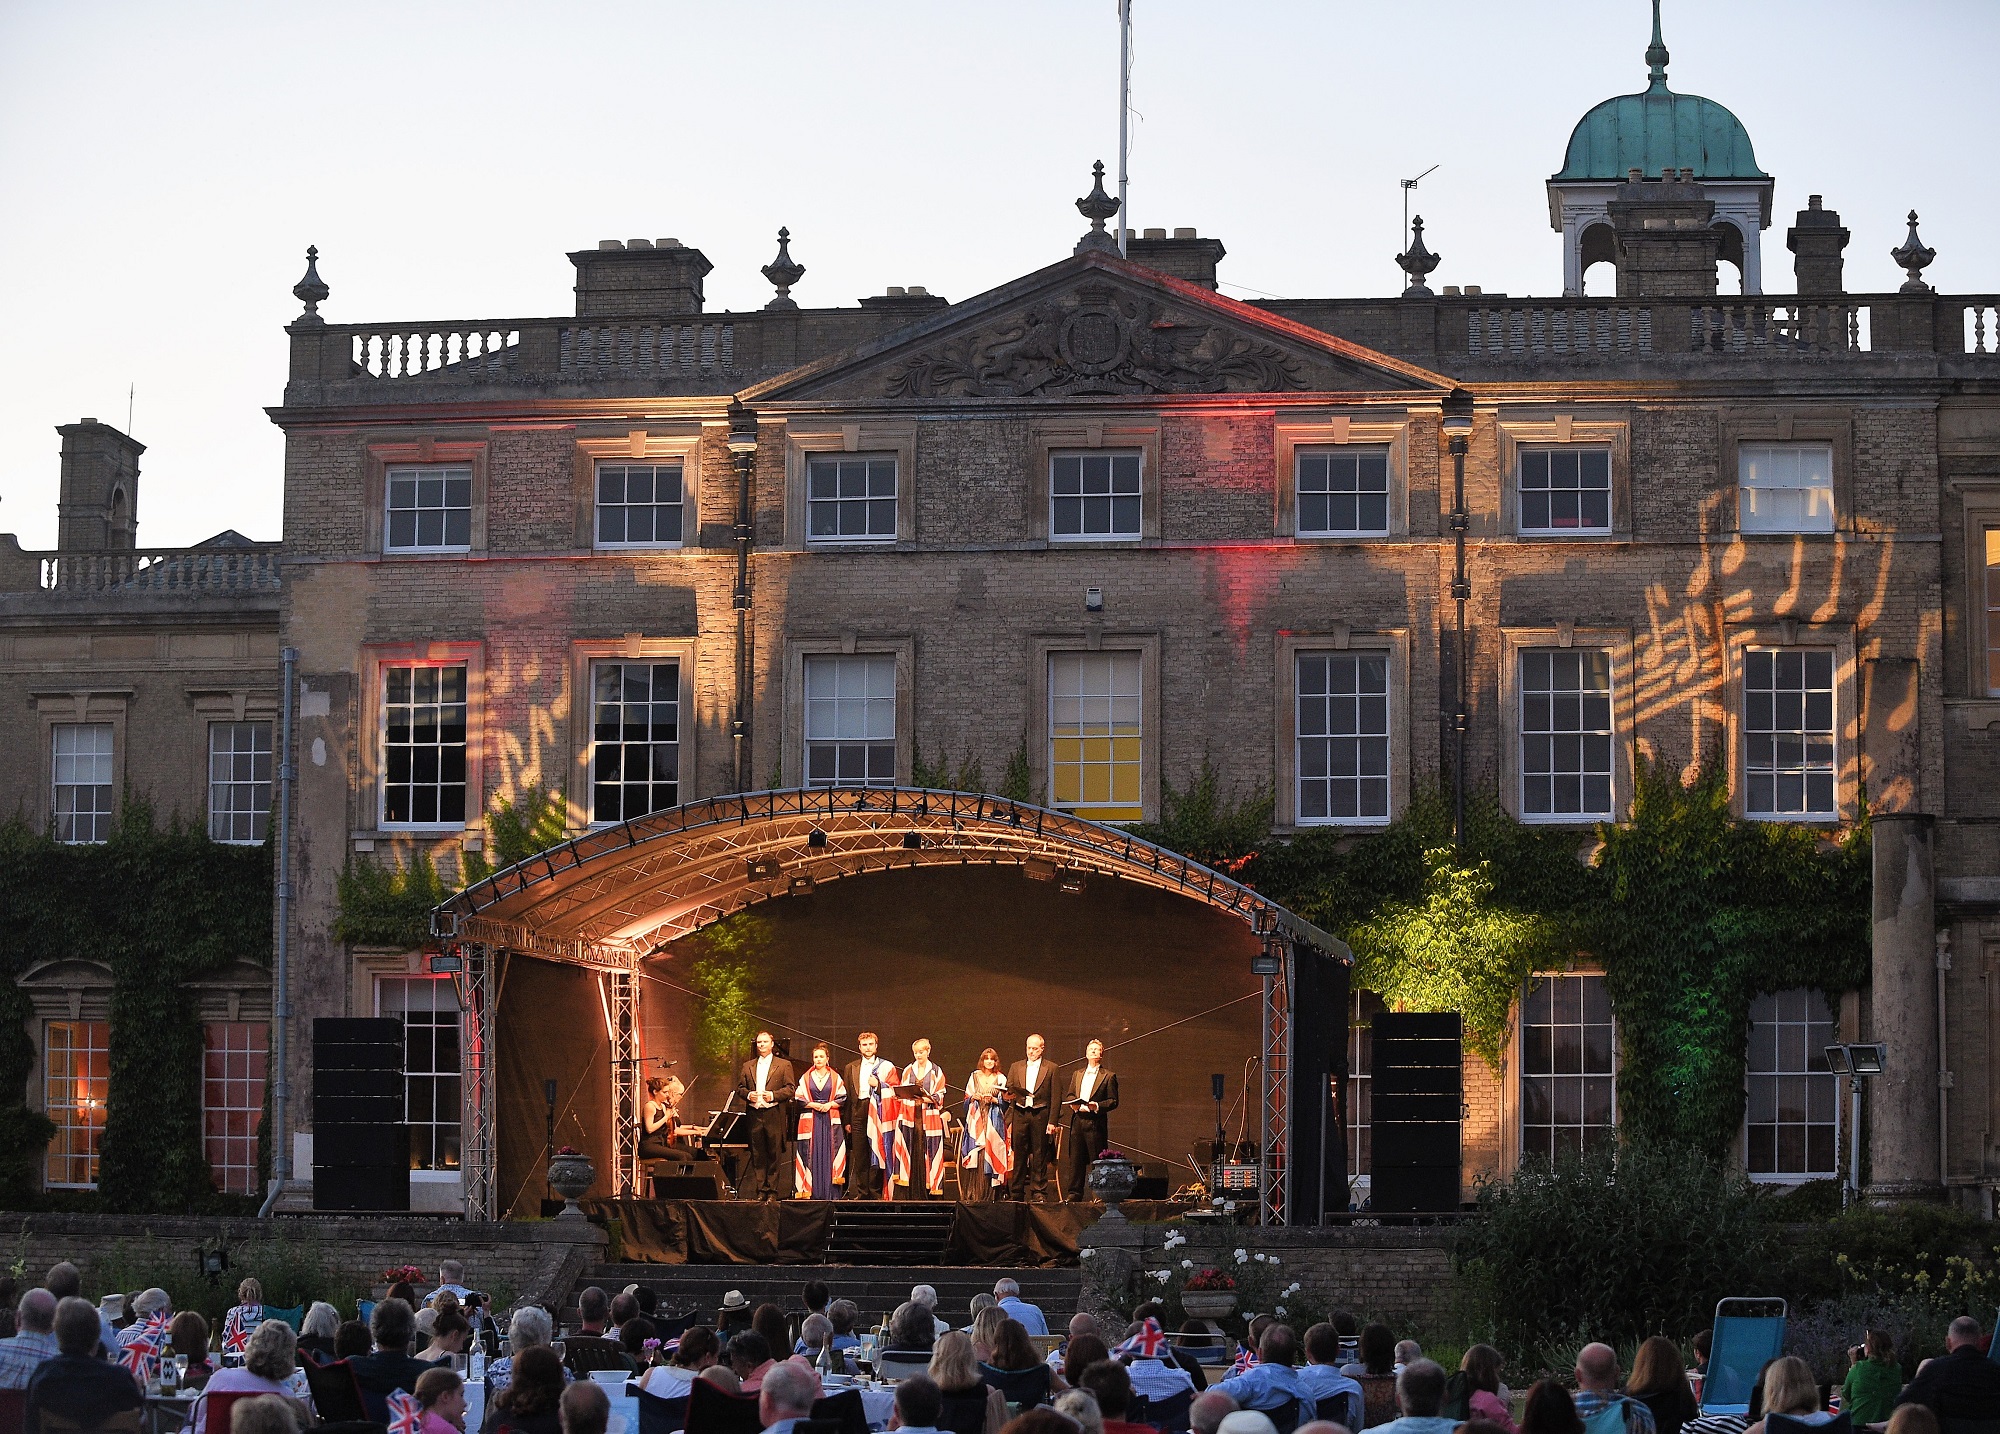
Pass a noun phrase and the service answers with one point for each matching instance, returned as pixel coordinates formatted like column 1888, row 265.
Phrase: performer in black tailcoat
column 871, row 1119
column 1088, row 1100
column 1029, row 1129
column 766, row 1083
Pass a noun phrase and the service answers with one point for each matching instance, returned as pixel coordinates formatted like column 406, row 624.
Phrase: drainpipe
column 1944, row 1066
column 743, row 452
column 281, row 1006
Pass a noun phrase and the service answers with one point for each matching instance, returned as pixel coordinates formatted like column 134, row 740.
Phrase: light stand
column 1855, row 1061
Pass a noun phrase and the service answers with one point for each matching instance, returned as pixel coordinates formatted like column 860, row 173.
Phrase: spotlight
column 1038, row 868
column 1867, row 1059
column 913, row 841
column 1270, row 961
column 764, row 868
column 1070, row 881
column 801, row 885
column 817, row 839
column 446, row 963
column 1837, row 1062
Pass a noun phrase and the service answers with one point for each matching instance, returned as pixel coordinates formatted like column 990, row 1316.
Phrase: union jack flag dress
column 820, row 1158
column 883, row 1111
column 920, row 1130
column 984, row 1146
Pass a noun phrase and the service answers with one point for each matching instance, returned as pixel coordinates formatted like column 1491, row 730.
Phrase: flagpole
column 1124, row 113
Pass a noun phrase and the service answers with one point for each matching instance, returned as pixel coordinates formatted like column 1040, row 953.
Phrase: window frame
column 657, row 545
column 1839, row 1122
column 1980, row 512
column 1784, row 633
column 377, row 661
column 583, row 657
column 1116, row 538
column 1520, row 429
column 1617, row 642
column 1357, row 451
column 1304, row 432
column 1517, row 1115
column 449, row 473
column 1746, row 653
column 1521, row 455
column 587, row 698
column 1808, row 428
column 1110, row 431
column 1147, row 645
column 88, row 706
column 671, row 443
column 256, row 1051
column 93, row 1155
column 804, row 438
column 1747, row 447
column 436, row 983
column 109, row 814
column 210, row 725
column 422, row 453
column 850, row 540
column 807, row 662
column 1339, row 639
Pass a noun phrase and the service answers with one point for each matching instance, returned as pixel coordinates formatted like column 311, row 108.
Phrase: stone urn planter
column 1110, row 1179
column 1208, row 1304
column 571, row 1175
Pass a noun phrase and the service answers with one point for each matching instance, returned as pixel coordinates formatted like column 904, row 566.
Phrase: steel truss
column 478, row 1146
column 610, row 898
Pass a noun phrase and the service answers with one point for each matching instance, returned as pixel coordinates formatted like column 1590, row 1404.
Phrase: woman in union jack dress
column 820, row 1156
column 984, row 1147
column 920, row 1125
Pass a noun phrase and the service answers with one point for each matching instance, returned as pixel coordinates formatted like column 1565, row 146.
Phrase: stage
column 999, row 1233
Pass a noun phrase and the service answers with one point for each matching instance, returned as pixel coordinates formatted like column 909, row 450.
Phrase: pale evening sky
column 163, row 167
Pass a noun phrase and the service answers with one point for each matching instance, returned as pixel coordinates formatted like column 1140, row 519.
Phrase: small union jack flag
column 1243, row 1362
column 406, row 1416
column 139, row 1352
column 1150, row 1342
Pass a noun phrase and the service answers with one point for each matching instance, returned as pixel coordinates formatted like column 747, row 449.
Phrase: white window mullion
column 850, row 721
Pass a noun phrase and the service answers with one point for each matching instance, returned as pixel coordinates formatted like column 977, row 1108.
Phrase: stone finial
column 1417, row 262
column 1097, row 206
column 311, row 290
column 1913, row 257
column 784, row 273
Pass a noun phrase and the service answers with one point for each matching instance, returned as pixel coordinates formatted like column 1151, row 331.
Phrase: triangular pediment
column 1096, row 326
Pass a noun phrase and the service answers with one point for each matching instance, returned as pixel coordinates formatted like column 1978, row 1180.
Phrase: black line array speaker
column 1319, row 1079
column 361, row 1147
column 1418, row 1110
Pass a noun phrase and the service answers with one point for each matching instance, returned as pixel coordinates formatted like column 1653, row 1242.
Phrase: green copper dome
column 1657, row 129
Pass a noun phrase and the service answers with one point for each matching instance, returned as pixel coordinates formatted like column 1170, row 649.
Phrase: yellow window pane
column 1125, row 784
column 1065, row 750
column 1065, row 786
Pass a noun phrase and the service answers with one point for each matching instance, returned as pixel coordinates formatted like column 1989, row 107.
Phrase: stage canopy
column 606, row 900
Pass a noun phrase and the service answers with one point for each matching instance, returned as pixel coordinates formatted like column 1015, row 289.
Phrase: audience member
column 351, row 1338
column 733, row 1314
column 722, row 1377
column 633, row 1337
column 1597, row 1394
column 785, row 1396
column 64, row 1281
column 1081, row 1408
column 585, row 1408
column 769, row 1320
column 1111, row 1386
column 956, row 1374
column 1963, row 1383
column 1328, row 1426
column 1321, row 1380
column 74, row 1384
column 440, row 1394
column 985, row 1331
column 531, row 1328
column 1476, row 1393
column 623, row 1308
column 816, row 1340
column 451, row 1281
column 918, row 1404
column 187, row 1338
column 1791, row 1390
column 1913, row 1419
column 317, row 1331
column 264, row 1414
column 1420, row 1395
column 977, row 1305
column 593, row 1306
column 1247, row 1421
column 1550, row 1410
column 244, row 1316
column 1182, row 1358
column 1209, row 1409
column 269, row 1358
column 1016, row 1367
column 388, row 1367
column 529, row 1403
column 449, row 1334
column 912, row 1328
column 1155, row 1376
column 750, row 1358
column 845, row 1316
column 1008, row 1291
column 926, row 1295
column 1659, row 1381
column 1270, row 1383
column 1868, row 1394
column 34, row 1339
column 1082, row 1351
column 1377, row 1353
column 406, row 1292
column 816, row 1296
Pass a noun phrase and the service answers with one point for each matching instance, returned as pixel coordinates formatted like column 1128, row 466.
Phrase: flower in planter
column 1278, row 1310
column 1273, row 1259
column 1242, row 1256
column 1258, row 1257
column 1187, row 1264
column 402, row 1274
column 1163, row 1275
column 568, row 1150
column 1085, row 1254
column 1210, row 1280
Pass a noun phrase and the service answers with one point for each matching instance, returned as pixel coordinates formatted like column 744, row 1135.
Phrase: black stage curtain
column 999, row 1233
column 550, row 1026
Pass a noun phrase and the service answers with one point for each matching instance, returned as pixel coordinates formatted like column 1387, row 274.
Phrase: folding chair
column 844, row 1410
column 1743, row 1343
column 660, row 1415
column 1170, row 1415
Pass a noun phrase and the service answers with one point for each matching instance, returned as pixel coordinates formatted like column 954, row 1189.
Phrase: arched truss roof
column 610, row 897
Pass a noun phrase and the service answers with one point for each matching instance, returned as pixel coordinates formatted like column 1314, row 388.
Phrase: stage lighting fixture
column 1038, row 868
column 1270, row 961
column 913, row 841
column 1867, row 1059
column 817, row 839
column 446, row 963
column 764, row 868
column 1070, row 880
column 801, row 885
column 1836, row 1060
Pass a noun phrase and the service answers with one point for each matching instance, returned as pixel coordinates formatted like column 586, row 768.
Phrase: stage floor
column 998, row 1233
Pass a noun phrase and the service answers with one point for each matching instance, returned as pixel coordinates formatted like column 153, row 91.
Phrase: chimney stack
column 1817, row 240
column 638, row 279
column 97, row 507
column 1184, row 256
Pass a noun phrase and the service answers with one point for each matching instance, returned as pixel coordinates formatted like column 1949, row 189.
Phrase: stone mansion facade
column 1102, row 522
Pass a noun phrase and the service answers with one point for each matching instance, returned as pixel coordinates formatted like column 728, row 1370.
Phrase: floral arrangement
column 402, row 1274
column 1209, row 1280
column 567, row 1150
column 1113, row 1155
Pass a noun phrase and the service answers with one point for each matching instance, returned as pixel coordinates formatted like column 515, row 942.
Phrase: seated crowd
column 78, row 1368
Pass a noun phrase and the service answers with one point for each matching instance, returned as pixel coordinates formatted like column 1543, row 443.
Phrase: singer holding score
column 1092, row 1096
column 766, row 1083
column 983, row 1147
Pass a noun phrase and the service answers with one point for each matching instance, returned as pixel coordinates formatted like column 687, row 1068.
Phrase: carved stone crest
column 1096, row 341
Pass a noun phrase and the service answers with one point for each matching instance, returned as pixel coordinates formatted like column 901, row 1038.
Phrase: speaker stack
column 361, row 1147
column 1418, row 1111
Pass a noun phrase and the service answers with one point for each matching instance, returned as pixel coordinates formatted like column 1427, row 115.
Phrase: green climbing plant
column 724, row 971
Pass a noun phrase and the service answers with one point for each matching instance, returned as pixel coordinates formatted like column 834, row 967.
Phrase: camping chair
column 1021, row 1388
column 1378, row 1397
column 13, row 1410
column 295, row 1316
column 845, row 1411
column 963, row 1413
column 1786, row 1424
column 125, row 1421
column 1287, row 1416
column 1743, row 1343
column 1138, row 1409
column 335, row 1394
column 364, row 1310
column 715, row 1411
column 1170, row 1415
column 1335, row 1409
column 219, row 1404
column 661, row 1415
column 584, row 1354
column 901, row 1363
